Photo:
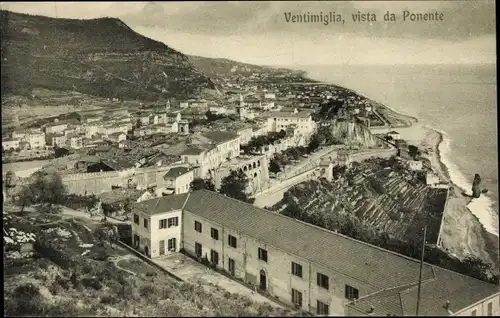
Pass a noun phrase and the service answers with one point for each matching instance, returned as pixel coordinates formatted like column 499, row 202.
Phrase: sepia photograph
column 250, row 158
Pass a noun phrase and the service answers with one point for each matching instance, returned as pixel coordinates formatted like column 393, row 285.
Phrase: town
column 204, row 206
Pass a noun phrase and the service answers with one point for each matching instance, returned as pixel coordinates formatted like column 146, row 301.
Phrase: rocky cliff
column 101, row 57
column 352, row 133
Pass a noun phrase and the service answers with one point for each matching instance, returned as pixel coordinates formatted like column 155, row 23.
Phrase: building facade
column 305, row 266
column 302, row 121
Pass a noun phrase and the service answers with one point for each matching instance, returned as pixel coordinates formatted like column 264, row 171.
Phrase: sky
column 257, row 32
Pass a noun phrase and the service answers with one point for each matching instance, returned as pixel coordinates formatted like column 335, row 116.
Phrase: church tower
column 167, row 106
column 242, row 103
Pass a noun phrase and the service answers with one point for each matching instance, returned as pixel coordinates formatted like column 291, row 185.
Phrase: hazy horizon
column 257, row 33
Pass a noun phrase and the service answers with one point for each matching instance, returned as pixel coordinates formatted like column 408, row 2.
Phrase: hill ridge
column 101, row 57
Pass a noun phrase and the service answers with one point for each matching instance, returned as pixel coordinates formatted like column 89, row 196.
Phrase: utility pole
column 421, row 267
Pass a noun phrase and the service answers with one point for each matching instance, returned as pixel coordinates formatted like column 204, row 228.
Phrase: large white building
column 301, row 120
column 210, row 149
column 311, row 268
column 34, row 137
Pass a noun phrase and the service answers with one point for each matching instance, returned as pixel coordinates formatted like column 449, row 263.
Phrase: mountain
column 217, row 67
column 101, row 57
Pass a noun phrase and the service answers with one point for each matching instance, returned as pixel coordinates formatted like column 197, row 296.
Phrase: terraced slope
column 378, row 193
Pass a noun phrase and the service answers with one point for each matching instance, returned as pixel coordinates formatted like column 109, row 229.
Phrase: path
column 67, row 212
column 116, row 259
column 191, row 271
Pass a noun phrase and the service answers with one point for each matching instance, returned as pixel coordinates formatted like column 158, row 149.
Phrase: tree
column 10, row 179
column 235, row 185
column 48, row 189
column 293, row 153
column 138, row 123
column 292, row 210
column 25, row 198
column 200, row 184
column 274, row 167
column 413, row 151
column 314, row 143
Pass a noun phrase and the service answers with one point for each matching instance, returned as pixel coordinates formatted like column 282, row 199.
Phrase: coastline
column 463, row 232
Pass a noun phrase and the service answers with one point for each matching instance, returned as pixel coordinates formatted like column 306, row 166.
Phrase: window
column 146, row 223
column 474, row 312
column 322, row 308
column 214, row 233
column 172, row 244
column 490, row 309
column 214, row 257
column 297, row 269
column 173, row 222
column 231, row 240
column 136, row 219
column 322, row 280
column 263, row 254
column 296, row 297
column 197, row 226
column 351, row 292
column 197, row 249
column 163, row 224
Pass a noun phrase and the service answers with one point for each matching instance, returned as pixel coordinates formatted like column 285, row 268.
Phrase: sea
column 460, row 101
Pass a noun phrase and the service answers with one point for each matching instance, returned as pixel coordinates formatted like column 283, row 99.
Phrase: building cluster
column 24, row 139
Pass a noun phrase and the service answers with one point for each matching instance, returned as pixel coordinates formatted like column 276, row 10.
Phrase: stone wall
column 98, row 182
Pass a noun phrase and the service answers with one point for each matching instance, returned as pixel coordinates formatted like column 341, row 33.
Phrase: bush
column 76, row 202
column 377, row 186
column 147, row 291
column 91, row 283
column 47, row 249
column 109, row 299
column 26, row 300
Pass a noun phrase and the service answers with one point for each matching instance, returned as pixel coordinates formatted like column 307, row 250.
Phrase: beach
column 462, row 233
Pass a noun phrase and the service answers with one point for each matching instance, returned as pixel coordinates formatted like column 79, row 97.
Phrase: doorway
column 232, row 266
column 146, row 250
column 263, row 280
column 162, row 247
column 136, row 241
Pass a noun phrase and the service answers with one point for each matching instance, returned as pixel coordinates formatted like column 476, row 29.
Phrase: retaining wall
column 98, row 182
column 439, row 240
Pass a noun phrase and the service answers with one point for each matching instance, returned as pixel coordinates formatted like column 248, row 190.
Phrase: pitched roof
column 372, row 265
column 116, row 134
column 117, row 164
column 460, row 290
column 301, row 114
column 175, row 172
column 194, row 150
column 220, row 136
column 161, row 204
column 383, row 270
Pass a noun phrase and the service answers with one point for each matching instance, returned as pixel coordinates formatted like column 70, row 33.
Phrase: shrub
column 46, row 248
column 147, row 291
column 61, row 281
column 26, row 300
column 91, row 283
column 109, row 299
